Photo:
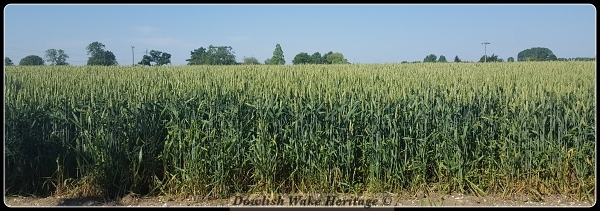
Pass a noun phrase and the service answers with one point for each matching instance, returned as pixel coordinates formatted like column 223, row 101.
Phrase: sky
column 363, row 33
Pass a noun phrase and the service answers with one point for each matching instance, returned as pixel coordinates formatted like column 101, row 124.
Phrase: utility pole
column 132, row 56
column 146, row 52
column 485, row 51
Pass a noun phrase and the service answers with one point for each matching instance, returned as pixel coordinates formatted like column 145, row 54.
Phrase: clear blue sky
column 363, row 33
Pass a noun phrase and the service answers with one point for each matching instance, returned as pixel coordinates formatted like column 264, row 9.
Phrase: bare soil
column 452, row 200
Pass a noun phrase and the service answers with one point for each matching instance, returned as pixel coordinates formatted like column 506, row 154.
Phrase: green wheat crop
column 493, row 128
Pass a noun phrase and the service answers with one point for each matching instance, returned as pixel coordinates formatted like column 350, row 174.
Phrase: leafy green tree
column 100, row 56
column 8, row 62
column 56, row 57
column 324, row 59
column 161, row 58
column 456, row 59
column 536, row 54
column 221, row 55
column 31, row 60
column 442, row 59
column 214, row 55
column 492, row 58
column 278, row 58
column 302, row 58
column 156, row 57
column 337, row 58
column 430, row 58
column 146, row 61
column 403, row 62
column 268, row 61
column 510, row 59
column 316, row 58
column 251, row 61
column 196, row 56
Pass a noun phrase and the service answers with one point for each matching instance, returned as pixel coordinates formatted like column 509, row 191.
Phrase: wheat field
column 476, row 128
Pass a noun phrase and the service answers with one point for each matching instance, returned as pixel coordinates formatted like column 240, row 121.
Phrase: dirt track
column 343, row 201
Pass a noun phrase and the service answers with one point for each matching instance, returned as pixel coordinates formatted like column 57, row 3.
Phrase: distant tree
column 324, row 59
column 510, row 59
column 268, row 61
column 250, row 61
column 492, row 58
column 584, row 58
column 163, row 58
column 146, row 61
column 442, row 59
column 278, row 58
column 31, row 60
column 221, row 55
column 403, row 62
column 56, row 57
column 100, row 56
column 577, row 59
column 196, row 56
column 456, row 59
column 214, row 55
column 8, row 62
column 302, row 58
column 316, row 58
column 156, row 58
column 336, row 58
column 536, row 54
column 430, row 58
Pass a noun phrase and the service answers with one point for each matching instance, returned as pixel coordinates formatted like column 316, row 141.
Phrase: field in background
column 494, row 128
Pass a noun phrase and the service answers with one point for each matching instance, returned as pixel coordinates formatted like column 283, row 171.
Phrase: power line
column 485, row 51
column 132, row 56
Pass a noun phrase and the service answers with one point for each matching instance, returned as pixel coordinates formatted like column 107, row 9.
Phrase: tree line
column 532, row 54
column 484, row 58
column 224, row 55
